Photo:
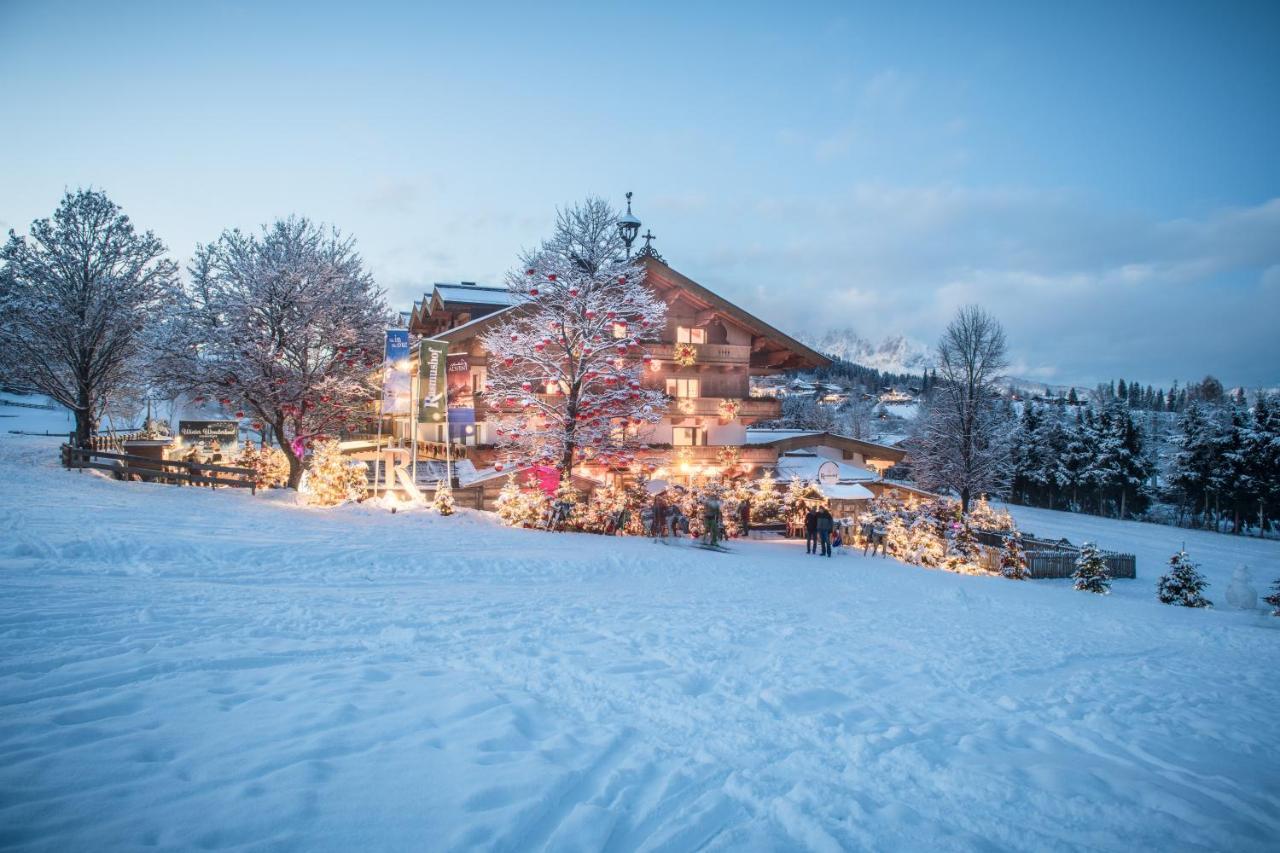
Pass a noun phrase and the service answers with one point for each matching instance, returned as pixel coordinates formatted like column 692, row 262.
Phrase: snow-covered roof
column 764, row 436
column 806, row 465
column 846, row 492
column 473, row 294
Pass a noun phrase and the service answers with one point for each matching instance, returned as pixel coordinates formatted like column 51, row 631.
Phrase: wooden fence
column 127, row 466
column 1049, row 559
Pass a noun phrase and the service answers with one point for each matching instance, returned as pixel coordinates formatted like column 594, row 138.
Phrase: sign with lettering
column 395, row 373
column 432, row 398
column 207, row 432
column 828, row 473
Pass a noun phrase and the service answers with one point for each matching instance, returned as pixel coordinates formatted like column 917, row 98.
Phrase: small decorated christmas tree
column 897, row 541
column 1274, row 598
column 443, row 502
column 510, row 503
column 965, row 543
column 334, row 478
column 1013, row 558
column 765, row 503
column 1091, row 571
column 269, row 465
column 1182, row 584
column 923, row 546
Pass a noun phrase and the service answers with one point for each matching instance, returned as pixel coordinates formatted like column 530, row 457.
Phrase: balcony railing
column 752, row 408
column 705, row 353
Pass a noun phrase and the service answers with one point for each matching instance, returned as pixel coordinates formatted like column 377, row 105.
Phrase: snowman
column 1241, row 593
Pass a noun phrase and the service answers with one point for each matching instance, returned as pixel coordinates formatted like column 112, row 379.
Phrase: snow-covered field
column 188, row 669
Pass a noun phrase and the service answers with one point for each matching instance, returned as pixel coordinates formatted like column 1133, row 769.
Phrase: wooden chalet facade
column 711, row 406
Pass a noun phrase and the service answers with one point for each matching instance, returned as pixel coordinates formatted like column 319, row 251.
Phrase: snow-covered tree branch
column 962, row 439
column 566, row 365
column 285, row 326
column 76, row 300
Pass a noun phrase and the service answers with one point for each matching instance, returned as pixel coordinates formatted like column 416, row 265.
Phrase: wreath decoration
column 729, row 409
column 685, row 355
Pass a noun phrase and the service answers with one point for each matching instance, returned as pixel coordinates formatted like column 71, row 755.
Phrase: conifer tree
column 1182, row 584
column 1013, row 559
column 333, row 478
column 765, row 504
column 1091, row 571
column 1273, row 598
column 443, row 502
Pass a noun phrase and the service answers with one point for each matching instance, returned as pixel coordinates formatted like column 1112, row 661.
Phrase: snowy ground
column 182, row 668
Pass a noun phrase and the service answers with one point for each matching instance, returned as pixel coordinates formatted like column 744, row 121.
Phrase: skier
column 811, row 531
column 711, row 521
column 823, row 524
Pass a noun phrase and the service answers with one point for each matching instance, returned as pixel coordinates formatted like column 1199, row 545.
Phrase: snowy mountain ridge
column 893, row 354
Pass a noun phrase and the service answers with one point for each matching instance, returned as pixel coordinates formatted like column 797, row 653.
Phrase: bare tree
column 76, row 299
column 962, row 439
column 285, row 326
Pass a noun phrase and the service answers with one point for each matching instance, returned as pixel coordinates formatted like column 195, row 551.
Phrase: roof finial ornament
column 628, row 227
column 648, row 251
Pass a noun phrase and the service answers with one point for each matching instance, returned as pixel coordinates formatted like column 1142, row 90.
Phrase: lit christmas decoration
column 1091, row 571
column 685, row 355
column 333, row 478
column 1183, row 584
column 1013, row 559
column 586, row 275
column 443, row 502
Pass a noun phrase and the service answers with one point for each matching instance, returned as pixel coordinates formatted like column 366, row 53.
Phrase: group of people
column 820, row 531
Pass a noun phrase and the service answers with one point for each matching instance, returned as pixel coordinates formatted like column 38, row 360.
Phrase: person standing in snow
column 811, row 531
column 658, row 526
column 823, row 524
column 744, row 517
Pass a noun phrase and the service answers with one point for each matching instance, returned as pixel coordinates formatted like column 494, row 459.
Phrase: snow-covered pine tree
column 1273, row 598
column 285, row 325
column 77, row 300
column 765, row 503
column 1013, row 558
column 334, row 478
column 1182, row 584
column 443, row 500
column 567, row 364
column 1091, row 571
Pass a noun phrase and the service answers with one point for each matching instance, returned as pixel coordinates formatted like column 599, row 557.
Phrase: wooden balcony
column 728, row 355
column 705, row 453
column 752, row 409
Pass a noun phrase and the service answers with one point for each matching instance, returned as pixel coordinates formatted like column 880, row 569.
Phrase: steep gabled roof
column 776, row 349
column 786, row 439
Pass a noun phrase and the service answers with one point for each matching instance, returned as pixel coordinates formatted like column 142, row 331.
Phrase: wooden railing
column 705, row 353
column 178, row 471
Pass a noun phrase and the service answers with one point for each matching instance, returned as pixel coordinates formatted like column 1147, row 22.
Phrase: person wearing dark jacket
column 824, row 524
column 811, row 531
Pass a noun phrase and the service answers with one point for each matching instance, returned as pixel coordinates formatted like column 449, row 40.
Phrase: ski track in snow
column 182, row 668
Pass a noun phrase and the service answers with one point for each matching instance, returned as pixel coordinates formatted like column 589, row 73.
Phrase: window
column 682, row 388
column 687, row 335
column 619, row 330
column 688, row 436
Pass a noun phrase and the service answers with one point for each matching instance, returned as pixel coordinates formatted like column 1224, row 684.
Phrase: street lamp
column 628, row 226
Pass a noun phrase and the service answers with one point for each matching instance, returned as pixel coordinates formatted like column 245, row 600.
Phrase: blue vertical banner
column 395, row 373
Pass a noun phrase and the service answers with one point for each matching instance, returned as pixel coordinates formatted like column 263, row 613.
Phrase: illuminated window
column 681, row 388
column 619, row 330
column 686, row 335
column 688, row 436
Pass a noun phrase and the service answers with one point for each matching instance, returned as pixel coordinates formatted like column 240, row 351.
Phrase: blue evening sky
column 1104, row 177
